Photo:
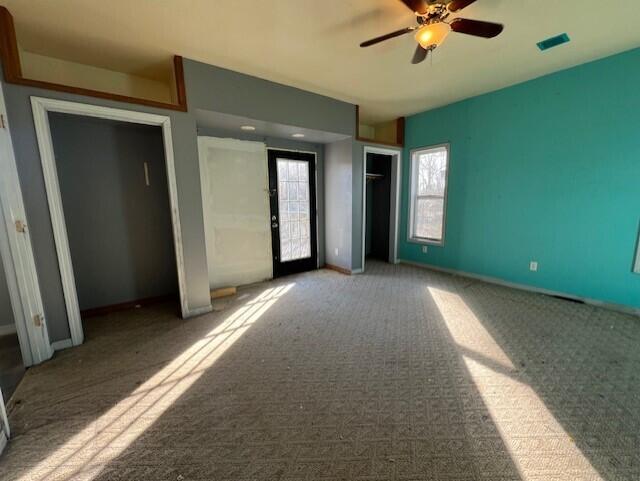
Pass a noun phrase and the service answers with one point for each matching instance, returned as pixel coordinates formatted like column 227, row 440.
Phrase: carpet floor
column 400, row 373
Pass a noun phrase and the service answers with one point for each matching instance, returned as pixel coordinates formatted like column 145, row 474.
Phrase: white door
column 235, row 204
column 17, row 256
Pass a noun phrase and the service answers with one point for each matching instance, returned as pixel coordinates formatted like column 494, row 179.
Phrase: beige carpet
column 396, row 374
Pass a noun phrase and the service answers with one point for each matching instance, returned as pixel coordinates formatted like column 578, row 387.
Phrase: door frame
column 315, row 165
column 18, row 260
column 41, row 108
column 394, row 216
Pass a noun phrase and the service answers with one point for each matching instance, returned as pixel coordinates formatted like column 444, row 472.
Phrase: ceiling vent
column 553, row 42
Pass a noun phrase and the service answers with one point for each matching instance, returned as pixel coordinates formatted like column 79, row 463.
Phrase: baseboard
column 8, row 329
column 123, row 306
column 339, row 269
column 198, row 311
column 60, row 345
column 524, row 287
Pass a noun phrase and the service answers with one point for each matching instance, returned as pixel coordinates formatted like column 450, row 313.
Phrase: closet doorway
column 380, row 196
column 42, row 108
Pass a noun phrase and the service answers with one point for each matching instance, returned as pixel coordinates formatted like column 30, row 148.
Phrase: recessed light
column 248, row 127
column 298, row 135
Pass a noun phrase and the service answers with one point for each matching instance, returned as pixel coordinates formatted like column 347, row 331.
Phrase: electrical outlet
column 533, row 266
column 425, row 249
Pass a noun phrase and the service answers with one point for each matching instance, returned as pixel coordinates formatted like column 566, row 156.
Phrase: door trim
column 18, row 261
column 394, row 217
column 41, row 108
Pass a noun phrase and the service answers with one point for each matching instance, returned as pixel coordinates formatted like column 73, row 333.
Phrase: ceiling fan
column 433, row 26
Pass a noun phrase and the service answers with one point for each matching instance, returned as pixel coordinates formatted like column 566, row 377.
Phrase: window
column 429, row 168
column 294, row 210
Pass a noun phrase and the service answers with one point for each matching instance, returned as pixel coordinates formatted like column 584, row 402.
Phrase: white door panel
column 236, row 211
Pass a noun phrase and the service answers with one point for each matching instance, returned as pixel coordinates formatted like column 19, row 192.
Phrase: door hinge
column 37, row 320
column 21, row 226
column 2, row 124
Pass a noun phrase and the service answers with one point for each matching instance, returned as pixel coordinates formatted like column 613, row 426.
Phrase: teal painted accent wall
column 547, row 170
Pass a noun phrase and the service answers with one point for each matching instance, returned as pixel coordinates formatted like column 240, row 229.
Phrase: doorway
column 113, row 185
column 41, row 109
column 378, row 206
column 292, row 191
column 380, row 202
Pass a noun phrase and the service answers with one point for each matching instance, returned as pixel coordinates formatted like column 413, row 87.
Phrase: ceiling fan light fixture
column 432, row 35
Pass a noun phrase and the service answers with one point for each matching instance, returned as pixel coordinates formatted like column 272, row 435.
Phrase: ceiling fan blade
column 476, row 27
column 382, row 38
column 417, row 6
column 457, row 5
column 419, row 55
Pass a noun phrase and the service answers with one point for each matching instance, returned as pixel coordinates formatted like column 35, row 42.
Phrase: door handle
column 274, row 225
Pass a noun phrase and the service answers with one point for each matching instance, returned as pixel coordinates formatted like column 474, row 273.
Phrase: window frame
column 411, row 237
column 636, row 264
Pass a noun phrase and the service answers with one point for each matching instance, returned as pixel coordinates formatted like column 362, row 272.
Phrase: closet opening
column 378, row 206
column 114, row 190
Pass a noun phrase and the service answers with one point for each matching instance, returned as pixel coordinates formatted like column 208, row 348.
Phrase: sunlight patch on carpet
column 524, row 422
column 111, row 434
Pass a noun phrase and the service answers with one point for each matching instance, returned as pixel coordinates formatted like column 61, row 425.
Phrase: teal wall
column 547, row 170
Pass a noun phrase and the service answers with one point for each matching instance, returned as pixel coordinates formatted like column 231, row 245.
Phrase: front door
column 292, row 187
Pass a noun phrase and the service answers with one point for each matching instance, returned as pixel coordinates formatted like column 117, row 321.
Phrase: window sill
column 428, row 242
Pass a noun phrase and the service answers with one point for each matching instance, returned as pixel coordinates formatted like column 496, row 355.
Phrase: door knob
column 274, row 225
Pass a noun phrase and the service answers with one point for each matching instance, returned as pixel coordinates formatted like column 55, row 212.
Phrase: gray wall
column 185, row 148
column 338, row 171
column 221, row 90
column 279, row 143
column 119, row 229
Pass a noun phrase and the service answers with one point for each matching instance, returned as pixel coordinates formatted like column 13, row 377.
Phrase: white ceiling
column 313, row 44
